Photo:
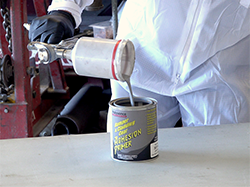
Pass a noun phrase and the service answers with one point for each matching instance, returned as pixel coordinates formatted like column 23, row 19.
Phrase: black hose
column 81, row 113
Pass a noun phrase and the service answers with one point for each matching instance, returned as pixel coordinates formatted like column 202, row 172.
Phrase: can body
column 103, row 58
column 134, row 129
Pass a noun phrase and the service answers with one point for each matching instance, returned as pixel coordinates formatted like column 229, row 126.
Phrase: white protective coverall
column 193, row 56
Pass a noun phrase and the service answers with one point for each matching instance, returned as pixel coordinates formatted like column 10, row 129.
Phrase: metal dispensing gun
column 93, row 57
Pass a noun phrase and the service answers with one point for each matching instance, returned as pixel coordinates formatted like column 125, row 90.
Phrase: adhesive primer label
column 134, row 134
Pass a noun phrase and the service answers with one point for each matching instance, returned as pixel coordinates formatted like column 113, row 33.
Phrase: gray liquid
column 127, row 80
column 124, row 102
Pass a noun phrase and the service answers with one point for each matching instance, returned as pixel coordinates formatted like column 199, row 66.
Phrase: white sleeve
column 75, row 7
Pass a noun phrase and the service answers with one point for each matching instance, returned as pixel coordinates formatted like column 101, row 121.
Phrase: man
column 192, row 56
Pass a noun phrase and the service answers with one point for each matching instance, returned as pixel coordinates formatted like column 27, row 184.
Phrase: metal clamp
column 47, row 53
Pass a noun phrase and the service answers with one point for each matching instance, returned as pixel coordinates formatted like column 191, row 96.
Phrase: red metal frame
column 15, row 118
column 18, row 119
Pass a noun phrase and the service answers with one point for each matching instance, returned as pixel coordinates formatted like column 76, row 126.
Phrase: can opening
column 138, row 102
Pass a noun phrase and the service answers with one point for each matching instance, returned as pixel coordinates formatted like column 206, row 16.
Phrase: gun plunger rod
column 63, row 53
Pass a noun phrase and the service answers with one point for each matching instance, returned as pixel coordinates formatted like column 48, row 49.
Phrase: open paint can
column 134, row 129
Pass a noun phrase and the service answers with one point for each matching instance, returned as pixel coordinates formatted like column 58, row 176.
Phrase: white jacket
column 75, row 7
column 176, row 37
column 196, row 51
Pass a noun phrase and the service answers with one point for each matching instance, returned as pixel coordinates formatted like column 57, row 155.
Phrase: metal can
column 103, row 58
column 134, row 129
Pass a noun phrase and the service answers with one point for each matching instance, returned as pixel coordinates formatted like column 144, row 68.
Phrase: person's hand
column 52, row 28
